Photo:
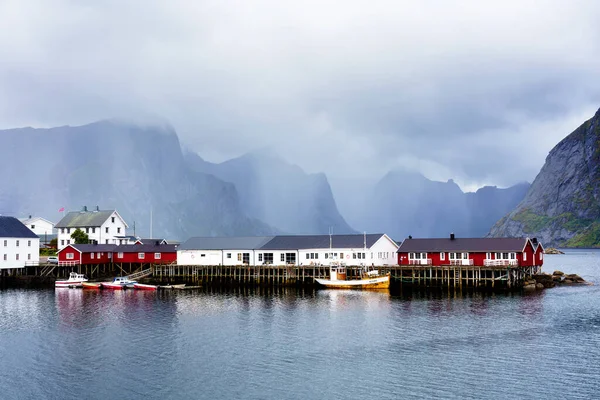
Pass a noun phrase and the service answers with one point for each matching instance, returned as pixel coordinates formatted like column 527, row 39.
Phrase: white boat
column 75, row 281
column 141, row 286
column 120, row 282
column 370, row 279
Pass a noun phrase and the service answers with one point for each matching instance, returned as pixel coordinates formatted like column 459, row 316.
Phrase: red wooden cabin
column 485, row 252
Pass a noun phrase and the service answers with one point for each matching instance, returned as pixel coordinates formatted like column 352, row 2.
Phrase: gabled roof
column 225, row 243
column 91, row 248
column 10, row 227
column 301, row 242
column 463, row 245
column 149, row 241
column 28, row 221
column 75, row 219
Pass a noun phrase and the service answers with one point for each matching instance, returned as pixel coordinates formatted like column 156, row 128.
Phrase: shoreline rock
column 545, row 280
column 552, row 250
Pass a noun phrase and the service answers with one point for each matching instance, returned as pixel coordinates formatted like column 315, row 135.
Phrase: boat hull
column 141, row 286
column 380, row 282
column 112, row 286
column 66, row 284
column 92, row 285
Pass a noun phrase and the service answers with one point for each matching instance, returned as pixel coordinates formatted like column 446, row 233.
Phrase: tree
column 80, row 237
column 54, row 243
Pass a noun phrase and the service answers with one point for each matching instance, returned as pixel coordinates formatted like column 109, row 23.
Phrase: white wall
column 383, row 252
column 96, row 233
column 195, row 257
column 40, row 226
column 28, row 251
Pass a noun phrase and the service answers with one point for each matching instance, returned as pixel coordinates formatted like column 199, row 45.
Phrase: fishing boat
column 369, row 279
column 92, row 285
column 75, row 281
column 141, row 286
column 119, row 283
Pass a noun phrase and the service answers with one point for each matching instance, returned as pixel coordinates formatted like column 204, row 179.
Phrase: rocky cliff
column 119, row 165
column 562, row 207
column 405, row 203
column 278, row 193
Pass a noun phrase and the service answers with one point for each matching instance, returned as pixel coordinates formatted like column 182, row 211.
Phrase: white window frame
column 141, row 256
column 524, row 256
column 70, row 256
column 120, row 255
column 158, row 255
column 92, row 255
column 443, row 256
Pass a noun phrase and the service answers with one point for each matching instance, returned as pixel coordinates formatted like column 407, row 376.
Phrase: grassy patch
column 590, row 237
column 532, row 222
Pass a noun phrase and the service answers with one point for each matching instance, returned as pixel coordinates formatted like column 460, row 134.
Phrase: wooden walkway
column 292, row 275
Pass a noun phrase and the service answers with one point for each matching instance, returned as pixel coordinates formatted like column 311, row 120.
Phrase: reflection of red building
column 89, row 254
column 488, row 252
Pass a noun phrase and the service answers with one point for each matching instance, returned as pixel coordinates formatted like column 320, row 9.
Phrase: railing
column 500, row 263
column 461, row 262
column 140, row 274
column 68, row 263
column 420, row 261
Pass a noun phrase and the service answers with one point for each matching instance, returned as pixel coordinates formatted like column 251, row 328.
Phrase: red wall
column 62, row 254
column 165, row 258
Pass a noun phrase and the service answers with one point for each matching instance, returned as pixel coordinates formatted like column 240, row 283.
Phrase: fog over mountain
column 474, row 91
column 406, row 203
column 115, row 164
column 279, row 193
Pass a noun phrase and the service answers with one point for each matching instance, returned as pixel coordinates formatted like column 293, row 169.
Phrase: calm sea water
column 67, row 343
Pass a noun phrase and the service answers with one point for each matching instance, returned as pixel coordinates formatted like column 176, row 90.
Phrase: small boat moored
column 141, row 286
column 75, row 281
column 92, row 285
column 120, row 282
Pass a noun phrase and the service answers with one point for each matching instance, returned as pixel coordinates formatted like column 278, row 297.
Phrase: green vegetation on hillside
column 533, row 222
column 588, row 238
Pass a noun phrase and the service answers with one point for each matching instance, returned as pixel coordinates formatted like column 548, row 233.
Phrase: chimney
column 158, row 242
column 30, row 217
column 84, row 209
column 452, row 236
column 410, row 236
column 534, row 240
column 97, row 208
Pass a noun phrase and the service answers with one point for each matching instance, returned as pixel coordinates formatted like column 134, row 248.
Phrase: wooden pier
column 455, row 276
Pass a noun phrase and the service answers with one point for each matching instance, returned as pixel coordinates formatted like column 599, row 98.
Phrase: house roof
column 300, row 242
column 75, row 219
column 225, row 243
column 13, row 228
column 89, row 248
column 463, row 244
column 148, row 241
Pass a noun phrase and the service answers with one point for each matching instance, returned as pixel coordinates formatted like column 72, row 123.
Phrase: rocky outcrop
column 562, row 206
column 543, row 281
column 552, row 250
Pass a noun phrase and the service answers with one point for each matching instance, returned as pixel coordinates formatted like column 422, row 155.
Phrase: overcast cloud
column 478, row 91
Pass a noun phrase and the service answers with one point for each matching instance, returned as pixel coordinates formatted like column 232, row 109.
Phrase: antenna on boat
column 330, row 243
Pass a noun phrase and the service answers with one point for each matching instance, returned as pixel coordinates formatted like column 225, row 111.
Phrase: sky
column 470, row 90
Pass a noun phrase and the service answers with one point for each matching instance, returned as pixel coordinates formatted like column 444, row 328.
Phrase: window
column 363, row 256
column 62, row 242
column 17, row 243
column 29, row 256
column 98, row 255
column 505, row 256
column 106, row 229
column 112, row 219
column 316, row 256
column 201, row 255
column 488, row 256
column 92, row 256
column 68, row 230
column 354, row 256
column 239, row 256
column 5, row 243
column 141, row 256
column 87, row 230
column 260, row 257
column 290, row 258
column 119, row 255
column 5, row 257
column 465, row 256
column 62, row 230
column 157, row 256
column 513, row 256
column 32, row 226
column 341, row 256
column 68, row 241
column 17, row 257
column 442, row 256
column 524, row 256
column 119, row 229
column 326, row 256
column 106, row 241
column 29, row 243
column 282, row 257
column 308, row 256
column 70, row 256
column 498, row 256
column 268, row 258
column 228, row 255
column 93, row 230
column 541, row 256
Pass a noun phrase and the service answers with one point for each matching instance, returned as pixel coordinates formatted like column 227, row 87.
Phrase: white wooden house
column 19, row 246
column 220, row 250
column 101, row 226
